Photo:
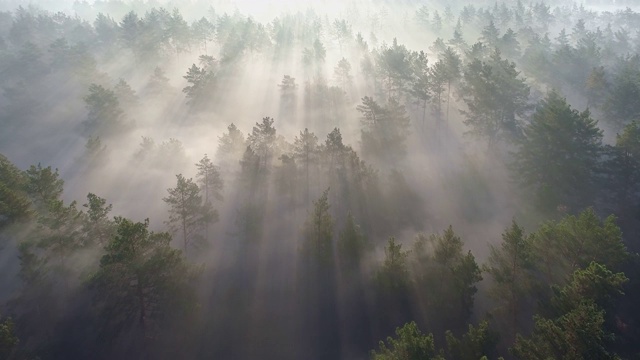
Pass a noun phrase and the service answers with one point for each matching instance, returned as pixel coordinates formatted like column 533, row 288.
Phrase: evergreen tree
column 409, row 344
column 496, row 97
column 105, row 116
column 491, row 35
column 443, row 269
column 97, row 227
column 511, row 266
column 596, row 86
column 43, row 185
column 394, row 66
column 158, row 85
column 393, row 276
column 305, row 152
column 352, row 246
column 558, row 155
column 8, row 339
column 211, row 185
column 452, row 68
column 14, row 202
column 142, row 283
column 231, row 147
column 130, row 30
column 421, row 82
column 578, row 330
column 623, row 171
column 477, row 343
column 318, row 233
column 204, row 31
column 262, row 141
column 342, row 74
column 201, row 82
column 575, row 241
column 187, row 214
column 384, row 129
column 127, row 97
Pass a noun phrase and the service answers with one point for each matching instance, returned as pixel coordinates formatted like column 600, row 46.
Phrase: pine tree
column 211, row 186
column 319, row 233
column 14, row 202
column 577, row 329
column 305, row 152
column 142, row 282
column 231, row 147
column 410, row 344
column 558, row 155
column 496, row 98
column 352, row 246
column 105, row 116
column 511, row 267
column 43, row 185
column 187, row 214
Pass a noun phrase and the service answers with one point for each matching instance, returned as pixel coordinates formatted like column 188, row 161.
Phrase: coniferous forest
column 361, row 179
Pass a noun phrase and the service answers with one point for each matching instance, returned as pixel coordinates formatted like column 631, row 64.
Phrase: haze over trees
column 337, row 180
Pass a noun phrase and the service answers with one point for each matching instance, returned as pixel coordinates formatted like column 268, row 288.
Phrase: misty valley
column 360, row 179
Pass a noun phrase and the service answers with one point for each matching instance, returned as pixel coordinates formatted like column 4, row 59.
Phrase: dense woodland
column 346, row 180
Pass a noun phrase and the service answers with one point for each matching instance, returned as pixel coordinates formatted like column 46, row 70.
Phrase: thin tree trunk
column 206, row 202
column 424, row 114
column 143, row 309
column 448, row 100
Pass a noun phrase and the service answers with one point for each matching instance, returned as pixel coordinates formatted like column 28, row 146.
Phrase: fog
column 335, row 130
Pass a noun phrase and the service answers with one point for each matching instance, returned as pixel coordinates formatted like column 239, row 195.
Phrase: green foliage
column 105, row 117
column 50, row 246
column 597, row 86
column 201, row 85
column 447, row 276
column 491, row 35
column 318, row 232
column 578, row 330
column 142, row 280
column 509, row 44
column 409, row 344
column 342, row 74
column 579, row 334
column 211, row 186
column 306, row 152
column 575, row 241
column 477, row 343
column 623, row 170
column 231, row 147
column 262, row 140
column 558, row 156
column 420, row 84
column 314, row 56
column 352, row 246
column 621, row 105
column 129, row 30
column 511, row 267
column 187, row 213
column 158, row 85
column 43, row 185
column 210, row 180
column 127, row 97
column 98, row 228
column 384, row 129
column 394, row 67
column 594, row 283
column 14, row 203
column 8, row 339
column 95, row 154
column 496, row 98
column 393, row 276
